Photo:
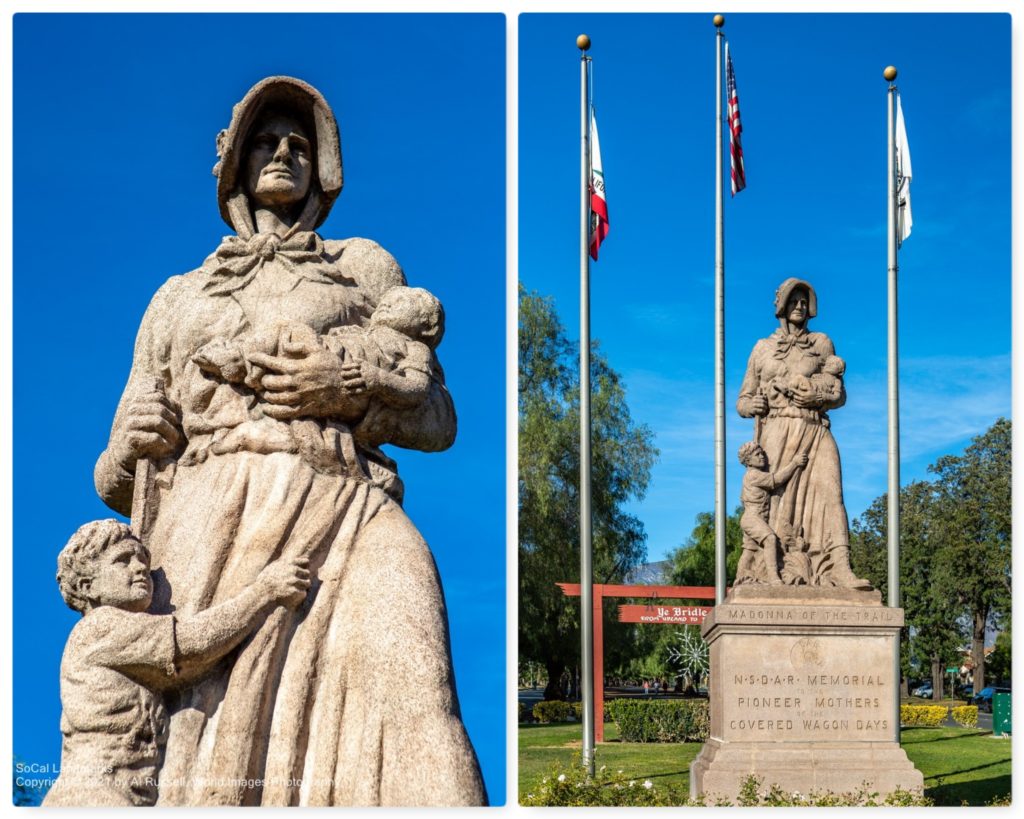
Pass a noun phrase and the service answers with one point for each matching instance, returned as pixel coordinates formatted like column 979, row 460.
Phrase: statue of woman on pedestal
column 793, row 379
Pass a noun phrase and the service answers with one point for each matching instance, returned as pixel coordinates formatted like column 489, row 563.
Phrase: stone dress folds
column 812, row 500
column 350, row 699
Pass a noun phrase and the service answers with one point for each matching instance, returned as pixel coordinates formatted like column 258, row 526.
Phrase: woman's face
column 797, row 305
column 280, row 162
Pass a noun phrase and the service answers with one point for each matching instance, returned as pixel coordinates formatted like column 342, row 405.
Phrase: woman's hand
column 151, row 428
column 804, row 395
column 758, row 404
column 306, row 380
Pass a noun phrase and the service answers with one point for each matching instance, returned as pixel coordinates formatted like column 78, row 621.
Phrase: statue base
column 803, row 693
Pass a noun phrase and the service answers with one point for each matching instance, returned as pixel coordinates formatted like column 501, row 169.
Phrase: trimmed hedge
column 966, row 715
column 577, row 709
column 924, row 716
column 660, row 720
column 550, row 711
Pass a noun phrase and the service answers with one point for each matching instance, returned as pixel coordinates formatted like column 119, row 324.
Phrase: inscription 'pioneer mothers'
column 805, row 701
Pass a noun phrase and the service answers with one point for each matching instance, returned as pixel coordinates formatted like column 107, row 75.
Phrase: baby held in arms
column 119, row 659
column 394, row 353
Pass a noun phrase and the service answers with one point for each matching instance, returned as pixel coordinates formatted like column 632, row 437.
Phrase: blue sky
column 114, row 126
column 812, row 100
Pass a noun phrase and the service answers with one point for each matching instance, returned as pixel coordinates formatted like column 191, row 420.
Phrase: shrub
column 524, row 712
column 552, row 711
column 966, row 715
column 923, row 716
column 577, row 710
column 570, row 787
column 660, row 720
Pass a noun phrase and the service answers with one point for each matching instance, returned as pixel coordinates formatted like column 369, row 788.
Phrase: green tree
column 998, row 665
column 932, row 613
column 622, row 457
column 975, row 527
column 693, row 563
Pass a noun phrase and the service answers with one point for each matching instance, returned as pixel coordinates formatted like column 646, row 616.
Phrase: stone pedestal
column 802, row 693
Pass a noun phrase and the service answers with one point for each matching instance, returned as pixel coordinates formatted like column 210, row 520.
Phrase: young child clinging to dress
column 758, row 537
column 119, row 659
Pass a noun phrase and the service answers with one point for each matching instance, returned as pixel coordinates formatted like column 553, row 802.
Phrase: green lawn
column 959, row 764
column 949, row 702
column 541, row 746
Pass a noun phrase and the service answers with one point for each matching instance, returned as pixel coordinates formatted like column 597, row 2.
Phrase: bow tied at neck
column 264, row 245
column 784, row 342
column 237, row 261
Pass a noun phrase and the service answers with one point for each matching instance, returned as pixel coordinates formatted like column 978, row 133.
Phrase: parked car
column 984, row 697
column 923, row 690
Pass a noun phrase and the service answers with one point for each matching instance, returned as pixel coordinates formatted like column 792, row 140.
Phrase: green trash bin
column 1001, row 716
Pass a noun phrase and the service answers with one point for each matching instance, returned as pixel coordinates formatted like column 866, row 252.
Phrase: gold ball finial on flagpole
column 889, row 73
column 718, row 20
column 583, row 42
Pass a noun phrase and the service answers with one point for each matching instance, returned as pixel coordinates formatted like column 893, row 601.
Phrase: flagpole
column 720, row 508
column 893, row 529
column 586, row 568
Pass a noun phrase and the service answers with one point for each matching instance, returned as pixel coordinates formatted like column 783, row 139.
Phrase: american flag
column 739, row 176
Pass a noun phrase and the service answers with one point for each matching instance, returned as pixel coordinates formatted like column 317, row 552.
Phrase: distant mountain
column 650, row 574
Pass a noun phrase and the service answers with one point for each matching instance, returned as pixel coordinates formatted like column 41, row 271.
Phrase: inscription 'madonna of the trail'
column 796, row 614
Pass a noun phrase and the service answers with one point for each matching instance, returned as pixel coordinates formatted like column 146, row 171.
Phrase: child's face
column 834, row 366
column 400, row 312
column 757, row 459
column 122, row 578
column 391, row 310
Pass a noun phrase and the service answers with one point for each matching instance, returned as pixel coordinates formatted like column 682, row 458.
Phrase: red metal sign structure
column 603, row 590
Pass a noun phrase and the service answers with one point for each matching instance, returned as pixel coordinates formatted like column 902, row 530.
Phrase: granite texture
column 802, row 693
column 262, row 386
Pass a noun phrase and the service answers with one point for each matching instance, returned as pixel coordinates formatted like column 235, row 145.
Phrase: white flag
column 903, row 174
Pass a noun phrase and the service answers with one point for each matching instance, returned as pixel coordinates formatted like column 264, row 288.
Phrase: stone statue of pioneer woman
column 793, row 379
column 260, row 441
